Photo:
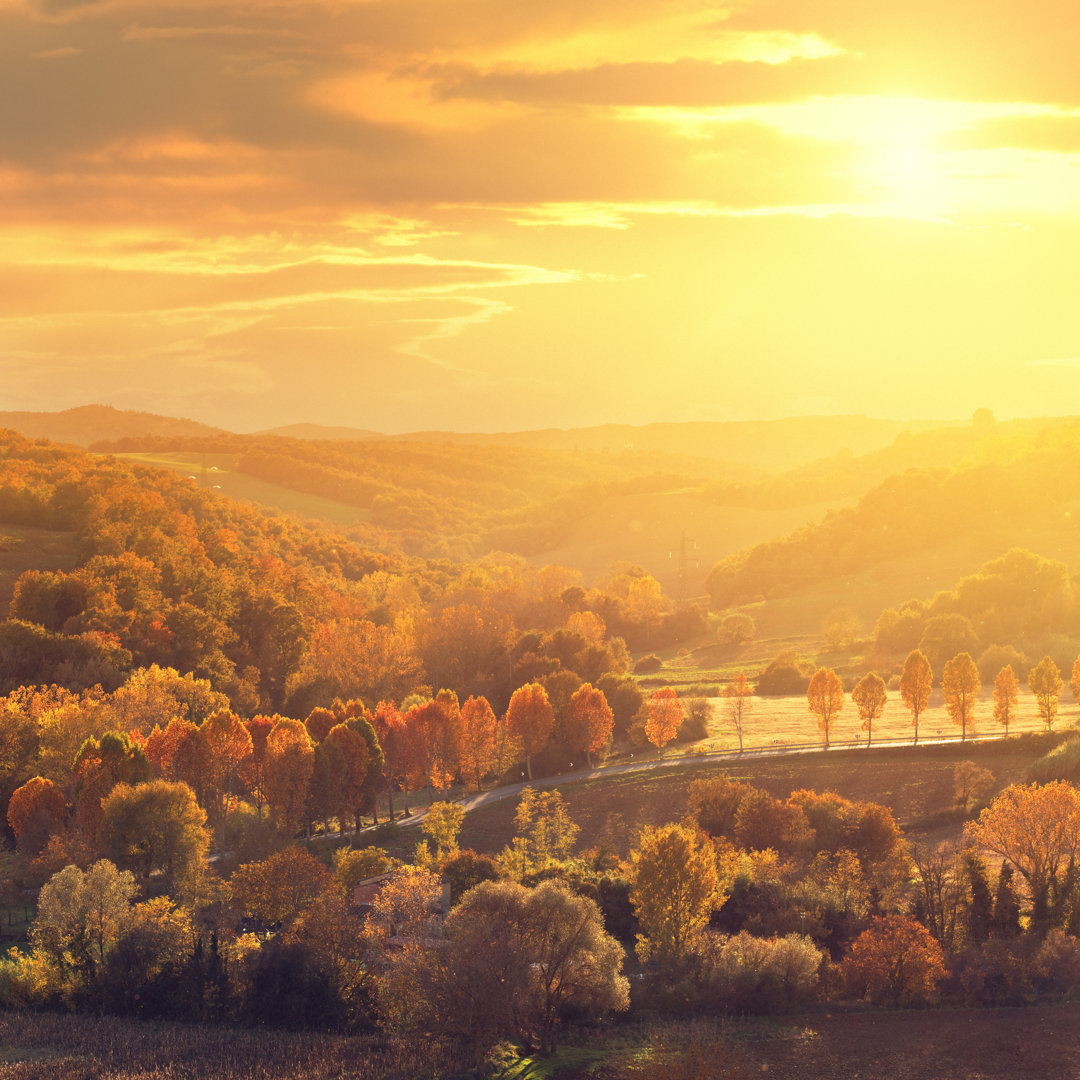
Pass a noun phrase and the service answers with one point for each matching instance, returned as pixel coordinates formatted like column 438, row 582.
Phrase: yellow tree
column 1044, row 681
column 916, row 681
column 673, row 887
column 869, row 697
column 960, row 685
column 1075, row 683
column 825, row 697
column 665, row 717
column 737, row 693
column 1006, row 695
column 1037, row 829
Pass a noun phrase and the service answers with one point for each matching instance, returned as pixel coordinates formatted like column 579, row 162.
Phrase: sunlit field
column 775, row 722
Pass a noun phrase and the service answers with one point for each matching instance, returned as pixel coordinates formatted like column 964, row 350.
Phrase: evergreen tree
column 1006, row 920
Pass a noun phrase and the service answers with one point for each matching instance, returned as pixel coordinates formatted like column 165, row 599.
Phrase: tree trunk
column 528, row 766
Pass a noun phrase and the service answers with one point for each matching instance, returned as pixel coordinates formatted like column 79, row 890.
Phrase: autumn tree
column 254, row 769
column 869, row 696
column 279, row 888
column 1037, row 829
column 1075, row 681
column 1045, row 682
column 290, row 760
column 393, row 737
column 478, row 735
column 228, row 748
column 960, row 685
column 738, row 696
column 588, row 721
column 673, row 887
column 545, row 832
column 916, row 682
column 36, row 811
column 1006, row 695
column 99, row 766
column 356, row 790
column 825, row 697
column 442, row 824
column 895, row 962
column 156, row 828
column 326, row 784
column 970, row 783
column 434, row 729
column 665, row 717
column 530, row 718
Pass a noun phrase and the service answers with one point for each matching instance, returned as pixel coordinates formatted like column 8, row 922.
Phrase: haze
column 488, row 215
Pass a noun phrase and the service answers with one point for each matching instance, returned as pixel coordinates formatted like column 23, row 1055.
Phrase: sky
column 494, row 215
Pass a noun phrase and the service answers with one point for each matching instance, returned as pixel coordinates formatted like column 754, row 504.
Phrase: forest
column 235, row 750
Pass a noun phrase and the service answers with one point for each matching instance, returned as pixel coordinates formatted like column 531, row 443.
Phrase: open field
column 24, row 548
column 216, row 470
column 915, row 783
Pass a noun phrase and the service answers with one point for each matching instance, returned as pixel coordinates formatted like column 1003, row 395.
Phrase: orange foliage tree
column 290, row 760
column 869, row 697
column 478, row 729
column 530, row 718
column 35, row 812
column 228, row 747
column 587, row 721
column 279, row 888
column 1045, row 682
column 897, row 961
column 1037, row 829
column 916, row 682
column 253, row 775
column 960, row 683
column 354, row 792
column 825, row 697
column 665, row 717
column 1006, row 695
column 393, row 735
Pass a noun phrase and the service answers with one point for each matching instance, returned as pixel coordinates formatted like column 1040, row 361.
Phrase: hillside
column 89, row 424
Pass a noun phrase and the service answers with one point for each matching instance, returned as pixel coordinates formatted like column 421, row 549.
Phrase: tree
column 1044, row 681
column 895, row 962
column 673, row 887
column 1037, row 829
column 356, row 790
column 738, row 696
column 279, row 888
column 1006, row 695
column 442, row 824
column 35, row 812
column 155, row 828
column 916, row 681
column 1075, row 681
column 665, row 717
column 869, row 697
column 478, row 730
column 80, row 915
column 825, row 697
column 530, row 718
column 290, row 760
column 588, row 721
column 960, row 685
column 970, row 783
column 100, row 765
column 545, row 833
column 228, row 750
column 737, row 629
column 392, row 733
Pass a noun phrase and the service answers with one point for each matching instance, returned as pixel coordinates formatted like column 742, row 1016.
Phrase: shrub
column 1062, row 763
column 695, row 725
column 785, row 674
column 744, row 973
column 737, row 629
column 648, row 665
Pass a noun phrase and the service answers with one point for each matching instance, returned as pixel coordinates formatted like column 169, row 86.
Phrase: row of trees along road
column 960, row 686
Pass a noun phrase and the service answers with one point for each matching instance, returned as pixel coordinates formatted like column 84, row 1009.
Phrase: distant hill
column 89, row 424
column 758, row 444
column 320, row 431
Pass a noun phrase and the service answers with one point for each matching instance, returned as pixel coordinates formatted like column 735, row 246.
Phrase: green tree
column 442, row 824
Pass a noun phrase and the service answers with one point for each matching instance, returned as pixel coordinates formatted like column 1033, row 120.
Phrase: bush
column 1062, row 763
column 749, row 974
column 648, row 665
column 695, row 725
column 786, row 674
column 737, row 629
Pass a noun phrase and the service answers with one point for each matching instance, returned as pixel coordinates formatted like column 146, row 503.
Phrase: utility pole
column 686, row 545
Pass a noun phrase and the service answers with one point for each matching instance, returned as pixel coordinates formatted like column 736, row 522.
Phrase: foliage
column 442, row 824
column 960, row 687
column 825, row 698
column 747, row 974
column 869, row 696
column 970, row 783
column 737, row 703
column 784, row 674
column 1045, row 682
column 916, row 681
column 35, row 811
column 279, row 888
column 1006, row 693
column 665, row 716
column 737, row 629
column 545, row 832
column 673, row 887
column 530, row 718
column 895, row 962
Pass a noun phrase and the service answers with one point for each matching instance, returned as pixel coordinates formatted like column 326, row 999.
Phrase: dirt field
column 916, row 784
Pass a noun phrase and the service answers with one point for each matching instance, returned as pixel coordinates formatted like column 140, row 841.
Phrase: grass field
column 216, row 471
